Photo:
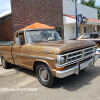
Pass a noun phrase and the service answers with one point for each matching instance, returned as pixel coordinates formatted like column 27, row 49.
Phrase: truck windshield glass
column 35, row 36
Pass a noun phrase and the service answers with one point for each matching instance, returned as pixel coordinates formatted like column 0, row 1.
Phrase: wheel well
column 36, row 63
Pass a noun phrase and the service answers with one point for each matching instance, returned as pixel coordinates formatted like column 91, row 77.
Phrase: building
column 57, row 13
column 69, row 19
column 6, row 31
column 26, row 12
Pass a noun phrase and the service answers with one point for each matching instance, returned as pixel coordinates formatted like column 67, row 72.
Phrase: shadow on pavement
column 74, row 82
column 24, row 70
column 70, row 83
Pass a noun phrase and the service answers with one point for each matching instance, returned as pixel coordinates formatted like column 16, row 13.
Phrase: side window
column 87, row 36
column 58, row 29
column 20, row 39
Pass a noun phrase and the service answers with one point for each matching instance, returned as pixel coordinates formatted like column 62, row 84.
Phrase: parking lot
column 85, row 86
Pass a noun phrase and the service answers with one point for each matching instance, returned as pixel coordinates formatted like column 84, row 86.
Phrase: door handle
column 13, row 47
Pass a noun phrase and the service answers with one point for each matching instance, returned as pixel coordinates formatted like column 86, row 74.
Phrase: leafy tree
column 98, row 7
column 90, row 3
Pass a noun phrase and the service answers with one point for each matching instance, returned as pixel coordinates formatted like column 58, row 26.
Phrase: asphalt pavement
column 18, row 83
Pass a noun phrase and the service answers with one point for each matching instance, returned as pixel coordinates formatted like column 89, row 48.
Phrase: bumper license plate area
column 83, row 65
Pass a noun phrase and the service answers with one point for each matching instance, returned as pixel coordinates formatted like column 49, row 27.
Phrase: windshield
column 35, row 36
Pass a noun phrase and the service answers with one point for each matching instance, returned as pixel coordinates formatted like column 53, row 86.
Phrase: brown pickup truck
column 43, row 51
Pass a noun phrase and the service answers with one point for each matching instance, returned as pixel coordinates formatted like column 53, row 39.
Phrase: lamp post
column 76, row 18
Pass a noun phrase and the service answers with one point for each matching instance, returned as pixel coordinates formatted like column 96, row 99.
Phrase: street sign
column 79, row 18
column 85, row 20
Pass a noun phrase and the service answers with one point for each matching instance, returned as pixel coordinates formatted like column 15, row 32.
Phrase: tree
column 98, row 7
column 90, row 3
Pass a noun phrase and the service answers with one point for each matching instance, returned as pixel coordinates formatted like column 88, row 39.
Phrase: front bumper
column 77, row 68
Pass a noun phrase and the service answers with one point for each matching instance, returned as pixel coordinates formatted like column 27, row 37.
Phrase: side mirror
column 18, row 41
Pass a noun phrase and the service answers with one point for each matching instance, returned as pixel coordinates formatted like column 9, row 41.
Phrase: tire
column 4, row 63
column 44, row 75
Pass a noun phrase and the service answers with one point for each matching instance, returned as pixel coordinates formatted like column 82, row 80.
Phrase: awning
column 38, row 25
column 68, row 19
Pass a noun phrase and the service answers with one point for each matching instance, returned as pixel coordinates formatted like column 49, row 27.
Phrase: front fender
column 50, row 64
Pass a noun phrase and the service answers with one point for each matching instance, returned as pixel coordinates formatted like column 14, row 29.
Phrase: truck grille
column 74, row 56
column 78, row 55
column 88, row 51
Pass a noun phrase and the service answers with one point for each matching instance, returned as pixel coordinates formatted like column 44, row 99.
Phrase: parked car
column 42, row 50
column 93, row 37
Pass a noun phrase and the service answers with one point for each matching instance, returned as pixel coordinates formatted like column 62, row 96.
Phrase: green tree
column 98, row 7
column 90, row 3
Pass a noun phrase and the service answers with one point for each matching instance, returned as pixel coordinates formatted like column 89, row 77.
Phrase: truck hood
column 60, row 46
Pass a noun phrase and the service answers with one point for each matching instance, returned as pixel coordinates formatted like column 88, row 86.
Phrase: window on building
column 78, row 29
column 85, row 29
column 58, row 29
column 94, row 29
column 72, row 29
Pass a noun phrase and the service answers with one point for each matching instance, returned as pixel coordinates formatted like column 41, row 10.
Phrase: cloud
column 4, row 5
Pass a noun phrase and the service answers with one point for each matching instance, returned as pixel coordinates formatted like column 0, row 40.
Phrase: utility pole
column 76, row 18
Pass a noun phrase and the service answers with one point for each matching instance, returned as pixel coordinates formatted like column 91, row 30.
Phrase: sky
column 5, row 5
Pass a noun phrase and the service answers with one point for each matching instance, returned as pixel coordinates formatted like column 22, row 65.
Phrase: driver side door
column 18, row 50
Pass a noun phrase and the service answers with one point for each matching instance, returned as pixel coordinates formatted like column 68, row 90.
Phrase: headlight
column 62, row 60
column 59, row 61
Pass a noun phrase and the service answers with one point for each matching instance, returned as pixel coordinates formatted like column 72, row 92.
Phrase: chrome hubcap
column 43, row 73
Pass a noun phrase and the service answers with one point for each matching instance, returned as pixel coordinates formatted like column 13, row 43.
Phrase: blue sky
column 5, row 5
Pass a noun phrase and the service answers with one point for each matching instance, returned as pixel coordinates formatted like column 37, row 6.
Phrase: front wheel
column 4, row 63
column 44, row 75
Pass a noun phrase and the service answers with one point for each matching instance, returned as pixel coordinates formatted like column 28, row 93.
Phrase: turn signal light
column 51, row 51
column 59, row 69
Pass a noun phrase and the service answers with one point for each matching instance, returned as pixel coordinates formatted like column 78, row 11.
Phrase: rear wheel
column 4, row 63
column 44, row 75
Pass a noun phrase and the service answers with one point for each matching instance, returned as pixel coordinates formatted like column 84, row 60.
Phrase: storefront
column 69, row 19
column 70, row 27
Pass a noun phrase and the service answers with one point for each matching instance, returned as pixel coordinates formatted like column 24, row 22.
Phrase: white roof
column 68, row 19
column 8, row 12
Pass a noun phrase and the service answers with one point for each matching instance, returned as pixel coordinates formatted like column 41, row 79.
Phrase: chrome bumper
column 76, row 69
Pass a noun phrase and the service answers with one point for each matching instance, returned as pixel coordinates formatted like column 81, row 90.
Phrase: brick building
column 26, row 12
column 57, row 13
column 6, row 32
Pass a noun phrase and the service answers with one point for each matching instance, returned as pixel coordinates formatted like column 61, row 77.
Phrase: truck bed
column 2, row 43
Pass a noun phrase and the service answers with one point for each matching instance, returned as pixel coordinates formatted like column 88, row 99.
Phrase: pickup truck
column 42, row 50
